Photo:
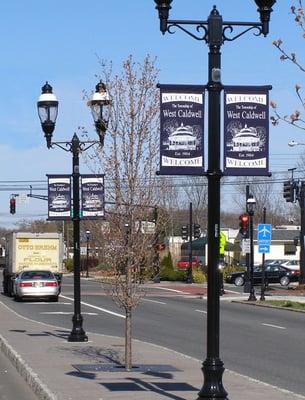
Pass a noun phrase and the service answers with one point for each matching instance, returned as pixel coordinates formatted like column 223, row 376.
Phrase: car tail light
column 51, row 284
column 25, row 284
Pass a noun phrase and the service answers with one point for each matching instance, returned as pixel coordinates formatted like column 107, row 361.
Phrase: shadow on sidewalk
column 161, row 388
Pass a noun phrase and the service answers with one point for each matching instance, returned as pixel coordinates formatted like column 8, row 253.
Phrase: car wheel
column 54, row 299
column 239, row 281
column 284, row 281
column 17, row 298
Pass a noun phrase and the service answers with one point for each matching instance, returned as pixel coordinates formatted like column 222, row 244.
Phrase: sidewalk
column 59, row 370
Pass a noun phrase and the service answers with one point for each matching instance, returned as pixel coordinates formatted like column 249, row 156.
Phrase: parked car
column 184, row 263
column 37, row 284
column 273, row 274
column 291, row 264
column 274, row 262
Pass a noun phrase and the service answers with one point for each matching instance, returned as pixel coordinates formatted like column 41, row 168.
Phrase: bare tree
column 265, row 197
column 294, row 117
column 195, row 189
column 129, row 160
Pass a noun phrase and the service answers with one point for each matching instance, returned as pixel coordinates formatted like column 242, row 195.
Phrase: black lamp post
column 88, row 234
column 251, row 203
column 215, row 32
column 47, row 109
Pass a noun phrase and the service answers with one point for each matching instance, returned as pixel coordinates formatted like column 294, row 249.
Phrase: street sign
column 264, row 248
column 264, row 233
column 23, row 198
column 245, row 245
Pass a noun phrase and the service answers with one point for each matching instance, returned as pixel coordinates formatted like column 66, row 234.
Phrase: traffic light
column 197, row 231
column 13, row 205
column 184, row 232
column 244, row 223
column 288, row 191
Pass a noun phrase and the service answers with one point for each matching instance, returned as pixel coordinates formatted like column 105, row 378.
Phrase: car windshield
column 187, row 258
column 32, row 275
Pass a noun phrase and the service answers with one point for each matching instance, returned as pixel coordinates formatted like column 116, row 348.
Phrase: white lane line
column 154, row 301
column 66, row 313
column 170, row 290
column 274, row 326
column 45, row 302
column 97, row 308
column 201, row 311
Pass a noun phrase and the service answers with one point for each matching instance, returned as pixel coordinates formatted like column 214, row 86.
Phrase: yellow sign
column 37, row 252
column 222, row 243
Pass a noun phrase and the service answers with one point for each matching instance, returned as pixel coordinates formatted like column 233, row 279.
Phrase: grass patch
column 295, row 305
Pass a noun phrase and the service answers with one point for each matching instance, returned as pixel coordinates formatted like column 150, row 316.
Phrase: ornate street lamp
column 47, row 110
column 214, row 32
column 100, row 109
column 251, row 203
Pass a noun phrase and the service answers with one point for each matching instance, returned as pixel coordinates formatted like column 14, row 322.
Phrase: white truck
column 32, row 251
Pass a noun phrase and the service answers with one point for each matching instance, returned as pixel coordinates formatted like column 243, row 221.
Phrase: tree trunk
column 128, row 347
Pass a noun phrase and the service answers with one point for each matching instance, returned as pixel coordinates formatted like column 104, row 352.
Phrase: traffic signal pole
column 302, row 233
column 247, row 280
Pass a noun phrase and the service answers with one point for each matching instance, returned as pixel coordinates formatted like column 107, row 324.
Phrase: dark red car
column 183, row 263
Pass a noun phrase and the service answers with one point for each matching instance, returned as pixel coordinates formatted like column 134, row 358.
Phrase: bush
column 69, row 264
column 167, row 272
column 199, row 276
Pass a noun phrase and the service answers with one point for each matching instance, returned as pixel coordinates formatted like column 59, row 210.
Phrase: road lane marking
column 97, row 308
column 48, row 302
column 154, row 301
column 274, row 326
column 170, row 290
column 66, row 313
column 202, row 311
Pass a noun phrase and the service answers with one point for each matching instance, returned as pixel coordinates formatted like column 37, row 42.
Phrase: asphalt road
column 265, row 344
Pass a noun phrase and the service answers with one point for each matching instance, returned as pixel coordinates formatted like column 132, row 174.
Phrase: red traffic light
column 244, row 218
column 12, row 205
column 244, row 223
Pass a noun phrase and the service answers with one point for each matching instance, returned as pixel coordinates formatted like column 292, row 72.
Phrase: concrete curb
column 31, row 378
column 252, row 303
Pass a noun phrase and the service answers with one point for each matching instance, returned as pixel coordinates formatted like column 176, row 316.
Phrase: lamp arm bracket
column 228, row 27
column 67, row 146
column 200, row 28
column 87, row 145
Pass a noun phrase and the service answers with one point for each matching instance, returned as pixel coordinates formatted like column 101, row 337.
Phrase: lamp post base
column 252, row 296
column 77, row 334
column 212, row 388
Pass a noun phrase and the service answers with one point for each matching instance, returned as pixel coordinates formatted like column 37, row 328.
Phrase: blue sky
column 61, row 42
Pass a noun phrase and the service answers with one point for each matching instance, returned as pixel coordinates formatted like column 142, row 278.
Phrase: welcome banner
column 181, row 129
column 246, row 130
column 93, row 203
column 59, row 197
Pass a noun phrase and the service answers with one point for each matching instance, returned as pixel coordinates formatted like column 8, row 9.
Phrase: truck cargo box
column 32, row 251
